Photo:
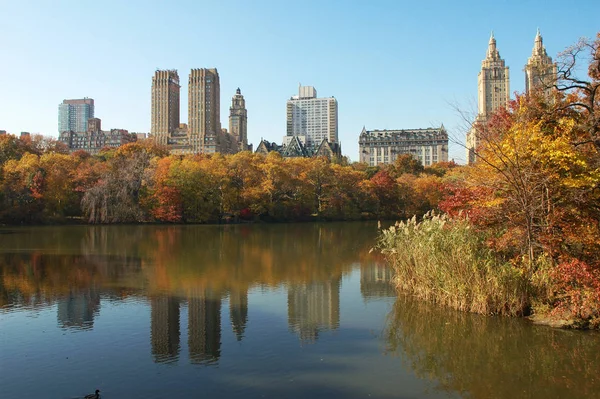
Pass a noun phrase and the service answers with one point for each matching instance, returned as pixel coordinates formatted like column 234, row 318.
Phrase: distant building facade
column 95, row 139
column 493, row 81
column 204, row 110
column 540, row 71
column 294, row 147
column 493, row 93
column 494, row 85
column 238, row 120
column 73, row 115
column 203, row 132
column 428, row 145
column 165, row 105
column 314, row 119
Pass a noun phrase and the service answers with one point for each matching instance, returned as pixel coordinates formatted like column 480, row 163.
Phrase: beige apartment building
column 204, row 110
column 429, row 145
column 540, row 71
column 165, row 105
column 494, row 87
column 203, row 132
column 493, row 92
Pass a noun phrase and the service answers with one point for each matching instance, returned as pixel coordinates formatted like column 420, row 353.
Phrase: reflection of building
column 164, row 328
column 78, row 310
column 204, row 328
column 238, row 312
column 429, row 145
column 314, row 307
column 376, row 281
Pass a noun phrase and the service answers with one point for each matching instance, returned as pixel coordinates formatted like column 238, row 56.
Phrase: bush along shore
column 446, row 261
column 520, row 227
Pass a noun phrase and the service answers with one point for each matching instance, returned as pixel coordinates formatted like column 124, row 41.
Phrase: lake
column 254, row 311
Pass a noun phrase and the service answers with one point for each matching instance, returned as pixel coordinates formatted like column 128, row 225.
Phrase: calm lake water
column 253, row 311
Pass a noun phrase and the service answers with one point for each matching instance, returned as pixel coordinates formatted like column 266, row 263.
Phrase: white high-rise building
column 494, row 92
column 312, row 119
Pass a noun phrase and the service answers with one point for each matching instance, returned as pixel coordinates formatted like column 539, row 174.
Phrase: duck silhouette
column 93, row 395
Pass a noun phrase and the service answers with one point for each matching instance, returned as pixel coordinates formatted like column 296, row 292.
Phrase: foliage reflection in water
column 253, row 311
column 499, row 357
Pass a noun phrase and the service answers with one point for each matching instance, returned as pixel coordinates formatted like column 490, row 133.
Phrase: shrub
column 576, row 293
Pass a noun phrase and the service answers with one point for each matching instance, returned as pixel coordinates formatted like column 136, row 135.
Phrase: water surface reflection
column 255, row 311
column 483, row 357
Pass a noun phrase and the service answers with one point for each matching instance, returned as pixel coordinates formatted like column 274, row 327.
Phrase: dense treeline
column 140, row 182
column 522, row 226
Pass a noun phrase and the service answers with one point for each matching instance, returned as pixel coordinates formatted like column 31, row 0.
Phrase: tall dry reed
column 444, row 260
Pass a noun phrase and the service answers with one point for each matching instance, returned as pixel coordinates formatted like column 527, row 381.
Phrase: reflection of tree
column 314, row 307
column 164, row 328
column 204, row 327
column 38, row 279
column 237, row 257
column 490, row 356
column 376, row 280
column 175, row 259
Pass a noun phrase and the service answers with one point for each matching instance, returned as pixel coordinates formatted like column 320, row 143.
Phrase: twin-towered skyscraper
column 494, row 84
column 203, row 133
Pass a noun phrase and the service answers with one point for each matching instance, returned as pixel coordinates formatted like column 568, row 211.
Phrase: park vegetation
column 40, row 182
column 520, row 232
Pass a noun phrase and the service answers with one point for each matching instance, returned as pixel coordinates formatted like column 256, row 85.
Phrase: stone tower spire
column 540, row 71
column 238, row 120
column 493, row 92
column 494, row 84
column 492, row 52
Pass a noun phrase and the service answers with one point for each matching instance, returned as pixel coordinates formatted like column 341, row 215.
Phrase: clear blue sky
column 390, row 64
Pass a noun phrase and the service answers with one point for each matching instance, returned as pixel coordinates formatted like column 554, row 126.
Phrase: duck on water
column 93, row 395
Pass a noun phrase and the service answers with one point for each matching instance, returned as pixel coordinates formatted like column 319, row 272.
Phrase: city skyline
column 401, row 56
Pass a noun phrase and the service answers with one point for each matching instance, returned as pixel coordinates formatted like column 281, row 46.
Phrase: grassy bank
column 446, row 261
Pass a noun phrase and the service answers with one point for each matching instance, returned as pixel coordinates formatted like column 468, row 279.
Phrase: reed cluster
column 446, row 261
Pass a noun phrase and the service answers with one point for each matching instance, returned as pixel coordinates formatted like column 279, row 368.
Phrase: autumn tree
column 22, row 190
column 582, row 94
column 405, row 163
column 115, row 198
